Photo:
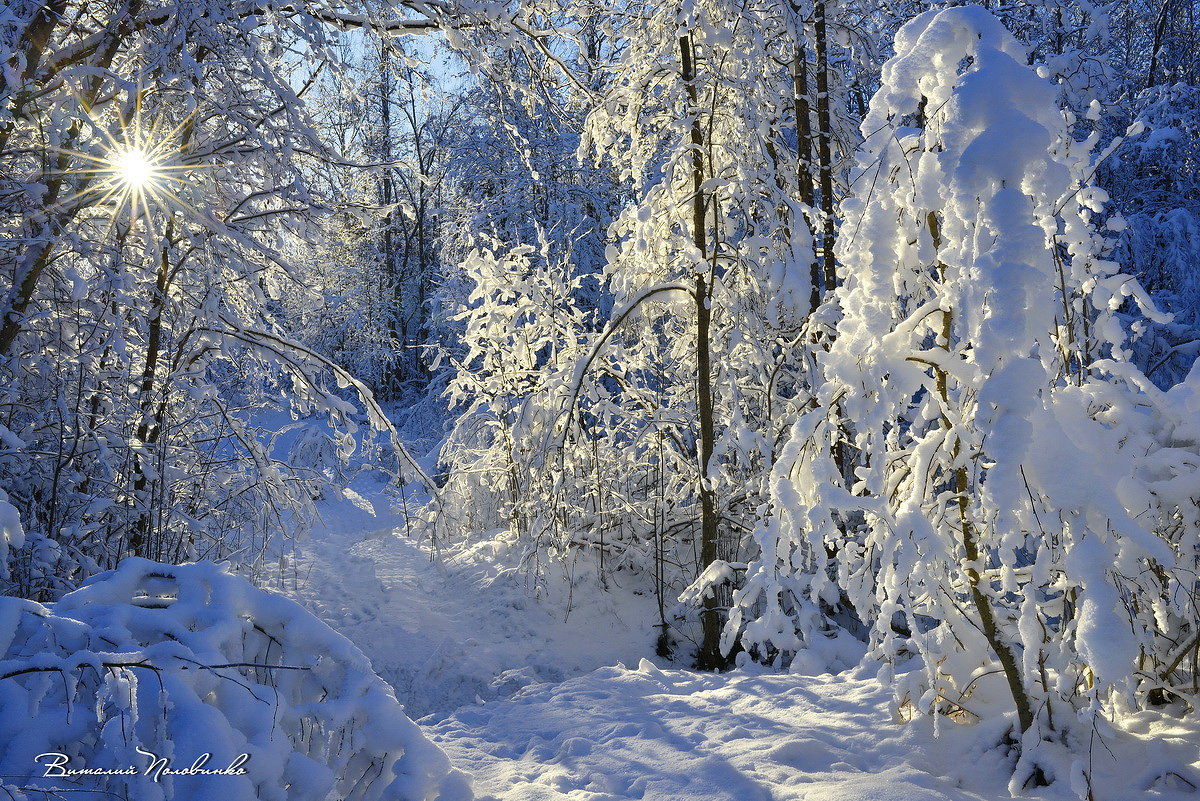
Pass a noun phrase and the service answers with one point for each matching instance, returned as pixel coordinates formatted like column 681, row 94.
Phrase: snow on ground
column 677, row 735
column 652, row 734
column 463, row 627
column 537, row 707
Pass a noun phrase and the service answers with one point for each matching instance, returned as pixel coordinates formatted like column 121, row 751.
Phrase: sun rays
column 140, row 170
column 133, row 171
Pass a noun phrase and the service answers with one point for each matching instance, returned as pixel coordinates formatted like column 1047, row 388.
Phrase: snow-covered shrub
column 12, row 533
column 1155, row 435
column 183, row 661
column 1153, row 177
column 522, row 328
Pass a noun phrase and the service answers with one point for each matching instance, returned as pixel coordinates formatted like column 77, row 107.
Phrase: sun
column 137, row 173
column 135, row 168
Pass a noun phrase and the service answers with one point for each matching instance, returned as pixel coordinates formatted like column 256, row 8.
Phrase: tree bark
column 387, row 190
column 709, row 656
column 149, row 424
column 824, row 144
column 804, row 149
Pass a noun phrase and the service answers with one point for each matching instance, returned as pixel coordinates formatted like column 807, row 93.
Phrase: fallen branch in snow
column 147, row 666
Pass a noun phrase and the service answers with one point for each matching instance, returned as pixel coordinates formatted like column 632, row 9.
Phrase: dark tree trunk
column 709, row 656
column 824, row 144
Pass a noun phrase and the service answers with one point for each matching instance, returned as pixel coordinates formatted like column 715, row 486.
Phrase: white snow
column 535, row 707
column 937, row 436
column 651, row 734
column 190, row 663
column 463, row 626
column 12, row 534
column 675, row 735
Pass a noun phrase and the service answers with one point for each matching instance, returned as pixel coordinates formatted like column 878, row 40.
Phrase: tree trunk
column 149, row 424
column 1160, row 29
column 395, row 318
column 824, row 144
column 970, row 541
column 804, row 151
column 709, row 656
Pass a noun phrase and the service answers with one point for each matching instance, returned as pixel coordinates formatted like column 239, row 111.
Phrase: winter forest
column 587, row 400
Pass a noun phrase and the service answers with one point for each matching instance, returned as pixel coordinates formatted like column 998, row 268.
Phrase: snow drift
column 182, row 661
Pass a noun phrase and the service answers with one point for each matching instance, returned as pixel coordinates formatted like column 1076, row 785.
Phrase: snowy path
column 532, row 708
column 447, row 634
column 654, row 735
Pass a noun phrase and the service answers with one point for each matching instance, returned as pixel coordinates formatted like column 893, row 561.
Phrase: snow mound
column 156, row 661
column 671, row 735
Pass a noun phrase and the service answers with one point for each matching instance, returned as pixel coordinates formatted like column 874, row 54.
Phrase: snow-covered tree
column 521, row 328
column 713, row 262
column 980, row 372
column 373, row 263
column 149, row 186
column 1153, row 179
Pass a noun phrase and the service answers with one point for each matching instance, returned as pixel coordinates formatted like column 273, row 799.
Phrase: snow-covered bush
column 1153, row 177
column 522, row 329
column 183, row 661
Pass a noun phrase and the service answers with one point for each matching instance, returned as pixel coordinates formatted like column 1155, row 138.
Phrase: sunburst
column 140, row 170
column 136, row 169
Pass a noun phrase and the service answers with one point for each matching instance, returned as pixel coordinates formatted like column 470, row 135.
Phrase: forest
column 380, row 378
